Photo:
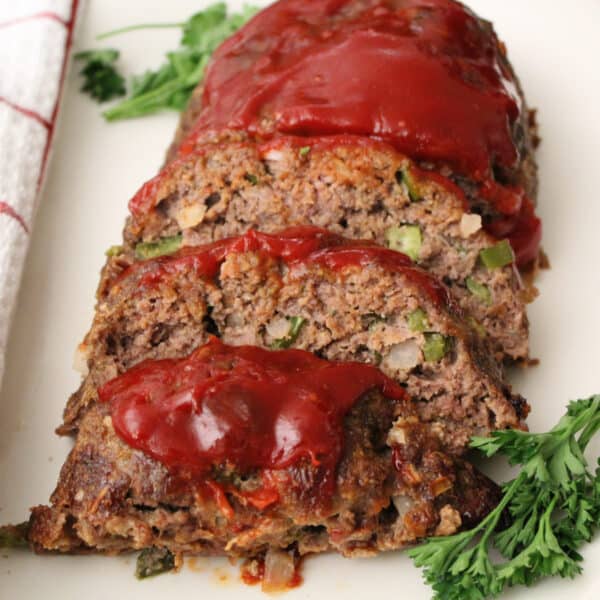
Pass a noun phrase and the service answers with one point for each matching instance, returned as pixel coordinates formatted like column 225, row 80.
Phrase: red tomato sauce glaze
column 295, row 245
column 245, row 406
column 425, row 76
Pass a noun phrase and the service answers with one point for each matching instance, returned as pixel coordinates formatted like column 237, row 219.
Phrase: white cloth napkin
column 35, row 39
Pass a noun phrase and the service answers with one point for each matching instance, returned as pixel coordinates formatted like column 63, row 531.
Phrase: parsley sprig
column 170, row 86
column 553, row 505
column 102, row 81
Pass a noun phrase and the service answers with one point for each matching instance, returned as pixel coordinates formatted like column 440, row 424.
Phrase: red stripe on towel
column 27, row 112
column 35, row 17
column 7, row 209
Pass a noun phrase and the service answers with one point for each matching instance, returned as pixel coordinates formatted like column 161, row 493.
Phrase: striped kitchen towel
column 35, row 39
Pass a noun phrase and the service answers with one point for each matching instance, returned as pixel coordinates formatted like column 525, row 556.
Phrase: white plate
column 95, row 169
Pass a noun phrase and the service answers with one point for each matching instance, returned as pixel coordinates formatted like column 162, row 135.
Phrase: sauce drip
column 241, row 405
column 293, row 246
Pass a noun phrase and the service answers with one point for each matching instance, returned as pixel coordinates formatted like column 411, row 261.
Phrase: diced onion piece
column 469, row 224
column 80, row 359
column 403, row 504
column 190, row 216
column 274, row 155
column 405, row 355
column 278, row 328
column 396, row 436
column 279, row 570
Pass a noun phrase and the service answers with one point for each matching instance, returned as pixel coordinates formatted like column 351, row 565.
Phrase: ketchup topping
column 295, row 245
column 423, row 75
column 250, row 408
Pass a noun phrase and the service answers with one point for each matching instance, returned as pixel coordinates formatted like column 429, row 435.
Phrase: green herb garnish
column 417, row 320
column 154, row 561
column 253, row 179
column 479, row 290
column 296, row 324
column 498, row 255
column 114, row 251
column 553, row 503
column 171, row 85
column 101, row 79
column 477, row 327
column 404, row 176
column 166, row 245
column 436, row 346
column 304, row 150
column 406, row 239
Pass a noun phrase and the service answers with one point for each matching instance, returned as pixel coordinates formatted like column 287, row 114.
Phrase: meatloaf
column 258, row 454
column 313, row 290
column 353, row 187
column 265, row 393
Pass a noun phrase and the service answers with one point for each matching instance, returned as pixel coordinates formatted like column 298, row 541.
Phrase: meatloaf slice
column 312, row 290
column 168, row 458
column 353, row 187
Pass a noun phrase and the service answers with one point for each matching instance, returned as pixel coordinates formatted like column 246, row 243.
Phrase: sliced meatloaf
column 312, row 290
column 168, row 458
column 353, row 187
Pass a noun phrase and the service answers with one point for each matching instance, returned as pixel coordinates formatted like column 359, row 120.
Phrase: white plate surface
column 96, row 167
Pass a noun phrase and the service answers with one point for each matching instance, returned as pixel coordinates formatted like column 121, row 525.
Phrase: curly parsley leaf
column 171, row 85
column 553, row 504
column 102, row 81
